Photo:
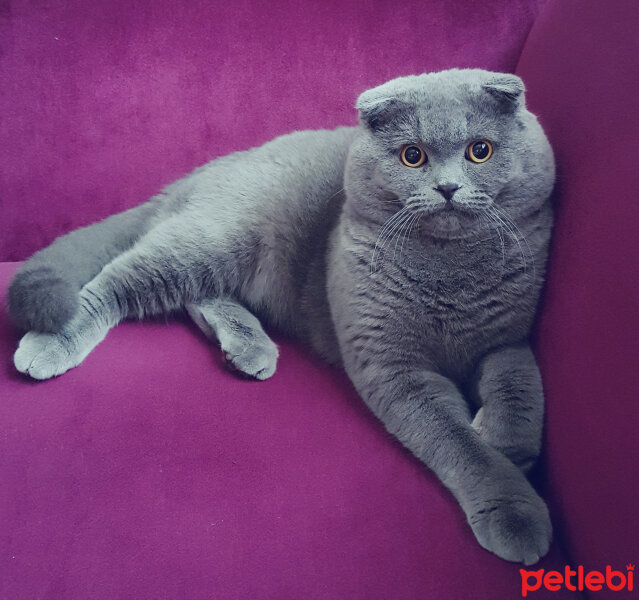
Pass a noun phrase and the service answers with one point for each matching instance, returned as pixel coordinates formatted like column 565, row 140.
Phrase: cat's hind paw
column 45, row 355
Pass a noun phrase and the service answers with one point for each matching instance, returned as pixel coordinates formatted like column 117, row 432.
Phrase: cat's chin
column 450, row 225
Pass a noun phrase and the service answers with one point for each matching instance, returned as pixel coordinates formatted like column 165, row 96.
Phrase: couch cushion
column 580, row 64
column 103, row 106
column 150, row 472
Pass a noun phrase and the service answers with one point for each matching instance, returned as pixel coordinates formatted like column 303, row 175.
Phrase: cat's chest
column 453, row 304
column 453, row 282
column 449, row 298
column 445, row 303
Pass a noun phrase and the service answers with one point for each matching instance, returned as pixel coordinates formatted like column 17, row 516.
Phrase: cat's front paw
column 257, row 358
column 516, row 529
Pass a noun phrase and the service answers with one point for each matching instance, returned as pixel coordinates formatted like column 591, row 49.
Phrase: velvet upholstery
column 105, row 102
column 587, row 337
column 150, row 472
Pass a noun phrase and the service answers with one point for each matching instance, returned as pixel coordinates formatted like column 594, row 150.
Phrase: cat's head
column 457, row 146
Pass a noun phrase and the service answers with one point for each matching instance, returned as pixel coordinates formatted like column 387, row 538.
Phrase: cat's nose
column 447, row 189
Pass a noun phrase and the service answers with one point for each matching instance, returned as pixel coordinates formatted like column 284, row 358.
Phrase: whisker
column 409, row 230
column 406, row 227
column 511, row 227
column 398, row 235
column 512, row 234
column 386, row 233
column 396, row 231
column 491, row 221
column 509, row 220
column 335, row 194
column 501, row 241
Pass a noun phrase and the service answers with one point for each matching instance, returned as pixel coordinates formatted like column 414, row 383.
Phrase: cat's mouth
column 451, row 221
column 447, row 218
column 448, row 214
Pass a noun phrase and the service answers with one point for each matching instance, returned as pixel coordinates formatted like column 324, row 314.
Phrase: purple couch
column 150, row 472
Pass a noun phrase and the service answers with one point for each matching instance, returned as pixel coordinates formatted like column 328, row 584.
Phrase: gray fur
column 245, row 344
column 43, row 295
column 424, row 296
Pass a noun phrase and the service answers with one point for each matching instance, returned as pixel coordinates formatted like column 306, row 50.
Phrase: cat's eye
column 479, row 151
column 412, row 156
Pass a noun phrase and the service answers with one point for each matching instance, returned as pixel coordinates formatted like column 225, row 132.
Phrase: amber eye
column 479, row 151
column 413, row 156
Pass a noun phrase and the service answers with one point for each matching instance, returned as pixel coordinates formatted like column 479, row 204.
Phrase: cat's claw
column 515, row 530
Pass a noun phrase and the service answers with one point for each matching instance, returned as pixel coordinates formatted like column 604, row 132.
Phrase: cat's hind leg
column 511, row 416
column 154, row 276
column 44, row 292
column 240, row 334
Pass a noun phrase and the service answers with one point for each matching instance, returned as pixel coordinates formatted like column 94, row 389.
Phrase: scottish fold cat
column 410, row 250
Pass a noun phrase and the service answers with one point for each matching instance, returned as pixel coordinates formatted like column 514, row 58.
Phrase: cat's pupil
column 480, row 150
column 413, row 155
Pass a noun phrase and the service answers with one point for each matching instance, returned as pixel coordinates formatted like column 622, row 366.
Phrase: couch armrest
column 580, row 65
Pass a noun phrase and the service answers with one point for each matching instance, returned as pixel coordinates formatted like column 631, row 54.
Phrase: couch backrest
column 580, row 65
column 104, row 103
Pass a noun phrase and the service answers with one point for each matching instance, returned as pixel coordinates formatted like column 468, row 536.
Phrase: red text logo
column 574, row 580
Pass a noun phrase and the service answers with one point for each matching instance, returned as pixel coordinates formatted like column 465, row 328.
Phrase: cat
column 410, row 250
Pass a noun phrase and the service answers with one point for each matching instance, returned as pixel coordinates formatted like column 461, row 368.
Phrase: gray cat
column 410, row 249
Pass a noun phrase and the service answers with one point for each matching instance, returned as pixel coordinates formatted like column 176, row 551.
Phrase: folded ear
column 507, row 89
column 378, row 107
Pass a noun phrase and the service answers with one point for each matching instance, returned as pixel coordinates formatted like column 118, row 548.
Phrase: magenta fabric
column 102, row 103
column 149, row 472
column 580, row 64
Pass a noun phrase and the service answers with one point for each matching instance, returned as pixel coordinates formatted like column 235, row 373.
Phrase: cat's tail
column 44, row 292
